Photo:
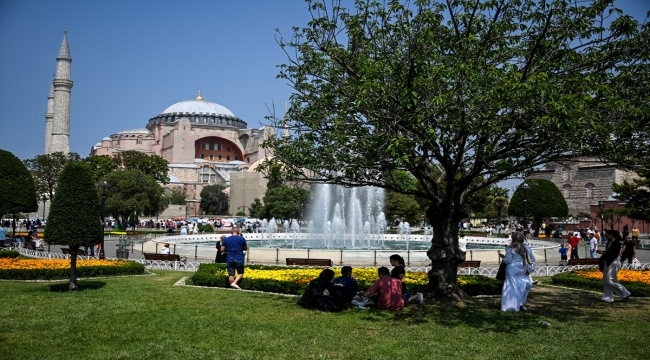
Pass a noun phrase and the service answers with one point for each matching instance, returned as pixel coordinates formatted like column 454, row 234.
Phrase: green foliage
column 285, row 202
column 543, row 200
column 75, row 207
column 207, row 228
column 101, row 165
column 213, row 200
column 131, row 189
column 124, row 268
column 400, row 205
column 570, row 279
column 175, row 196
column 17, row 186
column 46, row 169
column 240, row 213
column 636, row 196
column 9, row 254
column 257, row 209
column 152, row 165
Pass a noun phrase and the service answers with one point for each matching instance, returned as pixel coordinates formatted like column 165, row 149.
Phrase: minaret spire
column 199, row 97
column 62, row 88
column 49, row 115
column 285, row 132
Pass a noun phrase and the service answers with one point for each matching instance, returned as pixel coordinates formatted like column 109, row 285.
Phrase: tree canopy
column 462, row 95
column 75, row 214
column 152, row 165
column 101, row 165
column 213, row 200
column 175, row 196
column 17, row 187
column 543, row 200
column 636, row 196
column 46, row 169
column 132, row 189
column 284, row 202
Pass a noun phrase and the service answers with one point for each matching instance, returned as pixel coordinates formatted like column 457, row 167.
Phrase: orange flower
column 16, row 263
column 642, row 276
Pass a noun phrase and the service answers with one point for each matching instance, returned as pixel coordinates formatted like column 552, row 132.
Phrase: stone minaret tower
column 62, row 86
column 49, row 115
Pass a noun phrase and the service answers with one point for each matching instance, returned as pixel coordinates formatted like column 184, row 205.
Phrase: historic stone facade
column 584, row 182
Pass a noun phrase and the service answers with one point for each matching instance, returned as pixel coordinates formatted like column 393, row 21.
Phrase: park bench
column 585, row 261
column 309, row 262
column 469, row 264
column 163, row 257
column 67, row 251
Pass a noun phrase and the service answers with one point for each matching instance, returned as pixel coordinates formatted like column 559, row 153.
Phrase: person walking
column 593, row 244
column 575, row 240
column 610, row 265
column 234, row 247
column 221, row 256
column 520, row 262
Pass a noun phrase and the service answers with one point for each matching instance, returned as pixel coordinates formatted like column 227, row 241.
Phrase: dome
column 198, row 106
column 107, row 138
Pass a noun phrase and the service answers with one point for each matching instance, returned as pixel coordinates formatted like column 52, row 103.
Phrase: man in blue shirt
column 234, row 247
column 347, row 285
column 3, row 234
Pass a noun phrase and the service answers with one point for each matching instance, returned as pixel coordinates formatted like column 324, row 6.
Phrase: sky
column 133, row 59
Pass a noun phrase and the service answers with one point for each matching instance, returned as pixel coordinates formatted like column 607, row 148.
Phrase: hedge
column 125, row 268
column 8, row 254
column 571, row 279
column 205, row 276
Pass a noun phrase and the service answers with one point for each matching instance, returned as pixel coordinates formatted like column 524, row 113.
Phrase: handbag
column 636, row 263
column 501, row 274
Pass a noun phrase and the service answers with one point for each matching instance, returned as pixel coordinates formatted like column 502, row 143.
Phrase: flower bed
column 636, row 281
column 32, row 269
column 25, row 234
column 285, row 280
column 8, row 254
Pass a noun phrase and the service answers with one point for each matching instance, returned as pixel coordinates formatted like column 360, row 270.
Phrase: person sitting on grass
column 399, row 272
column 322, row 294
column 346, row 284
column 388, row 291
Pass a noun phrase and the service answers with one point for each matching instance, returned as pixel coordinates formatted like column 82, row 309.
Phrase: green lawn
column 146, row 317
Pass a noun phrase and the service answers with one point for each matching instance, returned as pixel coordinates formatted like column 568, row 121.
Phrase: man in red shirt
column 388, row 290
column 574, row 241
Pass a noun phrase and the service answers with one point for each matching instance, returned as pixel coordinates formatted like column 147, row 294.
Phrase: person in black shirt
column 610, row 265
column 399, row 272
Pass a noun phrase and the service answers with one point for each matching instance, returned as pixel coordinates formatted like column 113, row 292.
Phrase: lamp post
column 601, row 206
column 525, row 187
column 135, row 211
column 104, row 185
column 611, row 212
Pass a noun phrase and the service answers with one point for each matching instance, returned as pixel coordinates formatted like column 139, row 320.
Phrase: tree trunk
column 444, row 253
column 14, row 226
column 73, row 267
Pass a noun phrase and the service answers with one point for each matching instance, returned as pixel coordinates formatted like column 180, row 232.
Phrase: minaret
column 62, row 86
column 49, row 115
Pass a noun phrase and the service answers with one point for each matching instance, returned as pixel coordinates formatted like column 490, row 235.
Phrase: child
column 563, row 252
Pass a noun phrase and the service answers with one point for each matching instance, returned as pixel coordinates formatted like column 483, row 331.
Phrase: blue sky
column 132, row 59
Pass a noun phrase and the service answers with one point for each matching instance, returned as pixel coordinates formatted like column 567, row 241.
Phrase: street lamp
column 601, row 206
column 104, row 185
column 135, row 211
column 611, row 211
column 525, row 187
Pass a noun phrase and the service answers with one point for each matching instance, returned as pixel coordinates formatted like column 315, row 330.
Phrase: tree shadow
column 81, row 286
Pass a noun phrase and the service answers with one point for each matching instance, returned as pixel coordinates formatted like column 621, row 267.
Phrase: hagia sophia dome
column 199, row 111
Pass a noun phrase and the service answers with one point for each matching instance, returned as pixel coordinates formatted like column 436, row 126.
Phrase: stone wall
column 244, row 188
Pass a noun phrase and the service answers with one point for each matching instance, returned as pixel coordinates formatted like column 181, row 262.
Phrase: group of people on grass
column 388, row 293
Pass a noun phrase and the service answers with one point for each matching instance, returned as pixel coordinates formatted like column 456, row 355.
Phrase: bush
column 207, row 275
column 207, row 228
column 8, row 254
column 571, row 279
column 124, row 268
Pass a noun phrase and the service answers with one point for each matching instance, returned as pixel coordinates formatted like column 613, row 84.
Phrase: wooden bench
column 585, row 261
column 67, row 251
column 163, row 257
column 309, row 262
column 469, row 264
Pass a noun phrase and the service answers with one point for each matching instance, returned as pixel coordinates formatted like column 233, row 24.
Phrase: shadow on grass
column 81, row 286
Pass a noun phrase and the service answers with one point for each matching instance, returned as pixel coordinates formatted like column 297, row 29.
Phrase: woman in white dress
column 520, row 262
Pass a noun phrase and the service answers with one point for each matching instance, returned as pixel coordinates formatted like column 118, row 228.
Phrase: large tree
column 17, row 187
column 213, row 200
column 152, row 165
column 462, row 94
column 75, row 215
column 130, row 191
column 636, row 196
column 101, row 165
column 46, row 169
column 543, row 200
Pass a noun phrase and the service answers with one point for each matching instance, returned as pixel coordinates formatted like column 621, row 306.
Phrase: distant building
column 57, row 117
column 584, row 182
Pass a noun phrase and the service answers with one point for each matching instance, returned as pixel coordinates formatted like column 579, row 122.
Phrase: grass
column 146, row 317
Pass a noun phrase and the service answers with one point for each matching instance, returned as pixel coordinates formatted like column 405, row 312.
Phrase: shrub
column 120, row 267
column 575, row 280
column 8, row 254
column 215, row 275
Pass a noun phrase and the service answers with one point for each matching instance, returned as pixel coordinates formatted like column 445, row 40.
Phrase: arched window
column 566, row 173
column 248, row 159
column 202, row 156
column 590, row 191
column 236, row 157
column 211, row 157
column 567, row 192
column 219, row 157
column 227, row 157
